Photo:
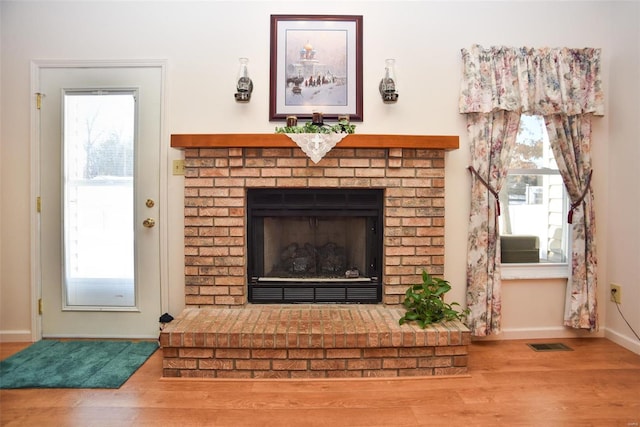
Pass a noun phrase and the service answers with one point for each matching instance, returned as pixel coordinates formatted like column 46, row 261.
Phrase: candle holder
column 244, row 85
column 292, row 121
column 388, row 84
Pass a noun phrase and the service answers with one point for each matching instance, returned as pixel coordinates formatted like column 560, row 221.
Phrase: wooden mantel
column 274, row 140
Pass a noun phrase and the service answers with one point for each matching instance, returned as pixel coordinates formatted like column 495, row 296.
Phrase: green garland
column 342, row 126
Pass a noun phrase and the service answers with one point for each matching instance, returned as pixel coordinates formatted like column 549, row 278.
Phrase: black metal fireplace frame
column 315, row 202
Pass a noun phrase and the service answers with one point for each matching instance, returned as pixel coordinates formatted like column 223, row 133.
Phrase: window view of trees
column 107, row 152
column 533, row 198
column 110, row 156
column 527, row 154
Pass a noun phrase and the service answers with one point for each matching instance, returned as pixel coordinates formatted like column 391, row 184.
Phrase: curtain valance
column 535, row 81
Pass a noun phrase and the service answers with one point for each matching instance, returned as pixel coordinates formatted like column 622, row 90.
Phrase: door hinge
column 40, row 306
column 38, row 204
column 38, row 100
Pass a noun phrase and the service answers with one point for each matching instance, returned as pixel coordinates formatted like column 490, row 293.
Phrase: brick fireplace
column 408, row 171
column 217, row 180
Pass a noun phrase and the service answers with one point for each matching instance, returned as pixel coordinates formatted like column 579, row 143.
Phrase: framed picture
column 316, row 66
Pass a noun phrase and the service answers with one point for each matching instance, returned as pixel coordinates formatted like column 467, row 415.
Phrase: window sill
column 534, row 271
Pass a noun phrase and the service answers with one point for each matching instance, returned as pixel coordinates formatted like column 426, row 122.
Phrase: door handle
column 149, row 222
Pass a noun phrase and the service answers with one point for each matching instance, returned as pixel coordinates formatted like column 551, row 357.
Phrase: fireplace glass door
column 314, row 247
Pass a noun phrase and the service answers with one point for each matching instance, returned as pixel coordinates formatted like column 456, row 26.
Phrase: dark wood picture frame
column 316, row 66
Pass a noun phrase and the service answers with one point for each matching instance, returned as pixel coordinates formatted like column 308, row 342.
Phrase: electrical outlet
column 178, row 167
column 616, row 293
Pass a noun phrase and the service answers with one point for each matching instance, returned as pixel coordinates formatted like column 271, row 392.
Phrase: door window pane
column 99, row 130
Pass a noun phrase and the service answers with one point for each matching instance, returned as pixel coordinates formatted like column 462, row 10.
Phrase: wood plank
column 258, row 140
column 596, row 384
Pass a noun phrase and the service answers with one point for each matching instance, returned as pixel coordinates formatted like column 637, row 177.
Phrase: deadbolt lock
column 150, row 203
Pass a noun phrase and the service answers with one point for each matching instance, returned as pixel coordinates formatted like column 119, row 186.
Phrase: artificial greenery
column 425, row 302
column 343, row 126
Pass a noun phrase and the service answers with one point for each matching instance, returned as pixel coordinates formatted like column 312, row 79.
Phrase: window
column 99, row 131
column 534, row 204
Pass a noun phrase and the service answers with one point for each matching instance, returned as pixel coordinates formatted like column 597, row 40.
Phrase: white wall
column 623, row 225
column 201, row 42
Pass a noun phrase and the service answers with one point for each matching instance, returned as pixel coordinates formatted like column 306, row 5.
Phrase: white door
column 99, row 186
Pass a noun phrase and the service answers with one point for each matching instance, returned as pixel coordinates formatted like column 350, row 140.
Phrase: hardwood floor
column 596, row 384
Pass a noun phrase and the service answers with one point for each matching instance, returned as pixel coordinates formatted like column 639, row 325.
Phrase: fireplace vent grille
column 316, row 293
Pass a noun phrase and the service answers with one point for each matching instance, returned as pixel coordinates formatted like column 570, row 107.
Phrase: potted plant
column 425, row 302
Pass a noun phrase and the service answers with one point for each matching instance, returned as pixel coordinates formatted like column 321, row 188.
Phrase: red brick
column 344, row 353
column 435, row 362
column 451, row 350
column 218, row 364
column 233, row 353
column 380, row 352
column 328, row 365
column 305, row 353
column 289, row 365
column 260, row 182
column 460, row 361
column 450, row 371
column 171, row 373
column 269, row 354
column 179, row 364
column 342, row 172
column 196, row 353
column 416, row 351
column 291, row 182
column 253, row 364
column 399, row 363
column 361, row 364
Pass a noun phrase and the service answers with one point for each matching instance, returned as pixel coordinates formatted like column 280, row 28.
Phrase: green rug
column 74, row 364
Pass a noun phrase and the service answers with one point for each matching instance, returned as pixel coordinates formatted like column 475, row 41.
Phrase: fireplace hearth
column 314, row 245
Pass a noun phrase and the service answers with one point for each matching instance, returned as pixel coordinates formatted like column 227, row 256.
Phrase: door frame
column 34, row 230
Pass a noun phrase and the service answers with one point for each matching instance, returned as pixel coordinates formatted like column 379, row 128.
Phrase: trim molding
column 16, row 336
column 539, row 333
column 623, row 340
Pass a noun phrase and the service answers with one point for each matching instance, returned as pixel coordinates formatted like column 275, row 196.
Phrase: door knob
column 149, row 222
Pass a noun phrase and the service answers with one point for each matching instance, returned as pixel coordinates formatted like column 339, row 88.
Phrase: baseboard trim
column 623, row 340
column 16, row 336
column 555, row 332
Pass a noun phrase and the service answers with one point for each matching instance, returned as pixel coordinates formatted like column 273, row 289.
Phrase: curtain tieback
column 486, row 184
column 580, row 199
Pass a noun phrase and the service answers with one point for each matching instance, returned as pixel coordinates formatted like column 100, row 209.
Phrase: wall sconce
column 244, row 85
column 388, row 84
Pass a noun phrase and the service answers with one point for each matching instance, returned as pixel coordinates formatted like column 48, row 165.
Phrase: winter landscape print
column 316, row 66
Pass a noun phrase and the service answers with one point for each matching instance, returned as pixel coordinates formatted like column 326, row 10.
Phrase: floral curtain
column 493, row 137
column 533, row 81
column 549, row 82
column 570, row 138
